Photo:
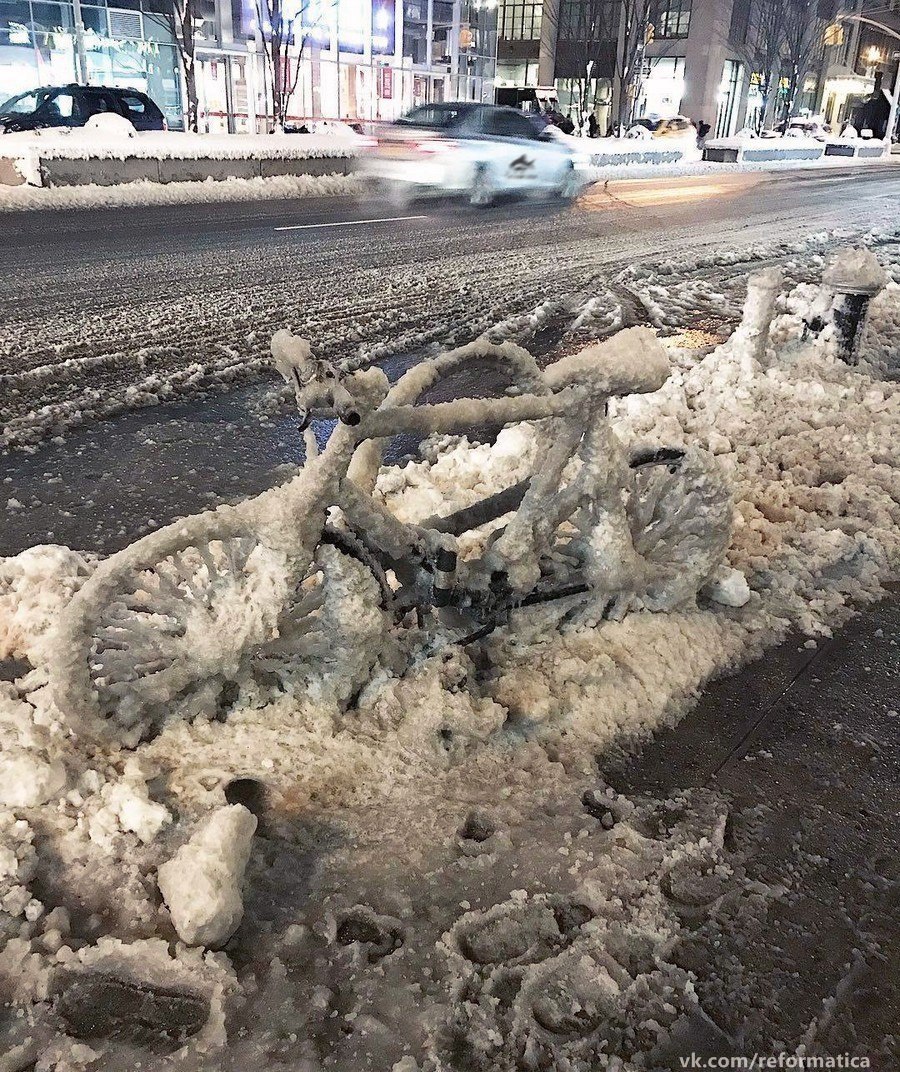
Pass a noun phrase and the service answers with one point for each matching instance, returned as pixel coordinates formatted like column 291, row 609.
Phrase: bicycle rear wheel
column 680, row 515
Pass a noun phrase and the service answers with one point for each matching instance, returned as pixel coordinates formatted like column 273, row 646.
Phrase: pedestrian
column 593, row 126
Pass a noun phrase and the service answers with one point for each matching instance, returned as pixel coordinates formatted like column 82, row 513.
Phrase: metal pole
column 454, row 49
column 892, row 114
column 81, row 67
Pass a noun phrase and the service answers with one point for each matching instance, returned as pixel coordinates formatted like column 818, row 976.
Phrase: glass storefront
column 126, row 46
column 362, row 60
column 371, row 60
column 662, row 88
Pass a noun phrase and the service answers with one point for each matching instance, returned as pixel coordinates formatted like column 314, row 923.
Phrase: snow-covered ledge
column 76, row 157
column 613, row 152
column 858, row 148
column 746, row 146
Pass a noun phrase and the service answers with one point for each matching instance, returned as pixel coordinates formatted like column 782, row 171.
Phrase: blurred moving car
column 479, row 150
column 678, row 126
column 74, row 105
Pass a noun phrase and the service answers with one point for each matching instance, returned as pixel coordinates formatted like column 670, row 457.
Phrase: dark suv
column 73, row 106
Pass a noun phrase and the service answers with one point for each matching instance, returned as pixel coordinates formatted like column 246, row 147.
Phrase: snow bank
column 134, row 194
column 538, row 928
column 878, row 345
column 747, row 138
column 601, row 152
column 85, row 143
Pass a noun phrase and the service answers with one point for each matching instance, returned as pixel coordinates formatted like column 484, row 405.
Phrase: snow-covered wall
column 74, row 157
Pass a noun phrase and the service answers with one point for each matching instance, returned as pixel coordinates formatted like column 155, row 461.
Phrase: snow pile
column 28, row 778
column 93, row 143
column 201, row 884
column 637, row 148
column 133, row 194
column 729, row 587
column 34, row 586
column 879, row 344
column 421, row 891
column 749, row 139
column 855, row 270
column 126, row 807
column 18, row 863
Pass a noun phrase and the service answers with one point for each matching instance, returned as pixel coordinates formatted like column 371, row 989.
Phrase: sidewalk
column 804, row 745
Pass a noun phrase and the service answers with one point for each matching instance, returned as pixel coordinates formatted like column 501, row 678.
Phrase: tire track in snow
column 153, row 327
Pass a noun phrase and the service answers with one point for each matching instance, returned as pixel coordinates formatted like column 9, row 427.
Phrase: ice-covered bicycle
column 171, row 625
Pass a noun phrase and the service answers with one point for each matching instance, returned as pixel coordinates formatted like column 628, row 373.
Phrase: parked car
column 480, row 150
column 678, row 126
column 813, row 126
column 74, row 105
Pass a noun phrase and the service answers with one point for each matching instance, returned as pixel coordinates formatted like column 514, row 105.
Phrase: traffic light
column 834, row 34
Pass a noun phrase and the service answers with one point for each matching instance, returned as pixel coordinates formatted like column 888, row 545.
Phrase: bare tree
column 804, row 32
column 182, row 20
column 284, row 29
column 766, row 44
column 634, row 31
column 589, row 31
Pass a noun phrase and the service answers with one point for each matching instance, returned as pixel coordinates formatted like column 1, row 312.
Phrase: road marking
column 347, row 223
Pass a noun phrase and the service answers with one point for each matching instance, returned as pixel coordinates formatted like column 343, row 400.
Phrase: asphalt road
column 103, row 313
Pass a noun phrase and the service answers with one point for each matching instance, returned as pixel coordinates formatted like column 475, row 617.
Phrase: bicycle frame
column 425, row 555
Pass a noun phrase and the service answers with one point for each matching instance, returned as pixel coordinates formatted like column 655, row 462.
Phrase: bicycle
column 171, row 625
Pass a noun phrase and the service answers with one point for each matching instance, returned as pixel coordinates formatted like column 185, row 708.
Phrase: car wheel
column 399, row 195
column 481, row 192
column 568, row 187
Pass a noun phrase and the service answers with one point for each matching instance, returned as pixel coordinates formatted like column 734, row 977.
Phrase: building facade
column 692, row 62
column 699, row 60
column 127, row 43
column 356, row 60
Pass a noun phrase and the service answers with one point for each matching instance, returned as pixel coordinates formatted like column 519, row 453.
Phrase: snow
column 729, row 587
column 201, row 884
column 143, row 192
column 27, row 780
column 640, row 144
column 747, row 139
column 878, row 344
column 34, row 586
column 102, row 143
column 127, row 808
column 421, row 888
column 855, row 270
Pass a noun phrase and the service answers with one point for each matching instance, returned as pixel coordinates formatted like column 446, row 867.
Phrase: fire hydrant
column 856, row 277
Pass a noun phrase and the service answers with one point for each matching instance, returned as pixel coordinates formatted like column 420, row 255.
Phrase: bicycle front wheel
column 163, row 627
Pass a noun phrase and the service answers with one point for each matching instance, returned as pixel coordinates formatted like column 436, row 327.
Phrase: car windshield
column 24, row 103
column 438, row 116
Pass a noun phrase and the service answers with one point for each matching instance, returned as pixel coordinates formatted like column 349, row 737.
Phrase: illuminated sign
column 315, row 21
column 383, row 27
